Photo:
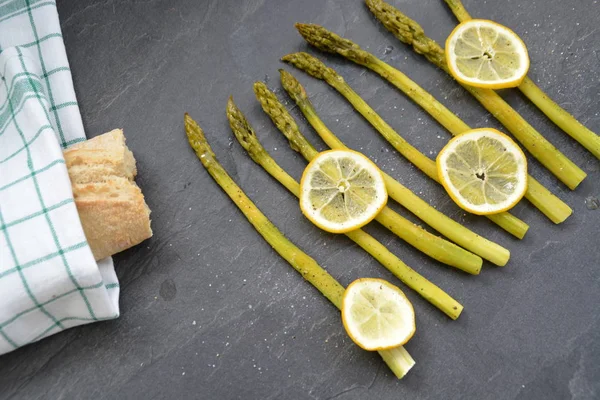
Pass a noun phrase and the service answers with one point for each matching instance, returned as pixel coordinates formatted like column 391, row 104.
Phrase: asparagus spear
column 438, row 221
column 556, row 210
column 305, row 61
column 249, row 141
column 434, row 246
column 411, row 33
column 398, row 359
column 558, row 115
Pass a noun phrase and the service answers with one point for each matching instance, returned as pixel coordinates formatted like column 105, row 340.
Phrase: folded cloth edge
column 34, row 318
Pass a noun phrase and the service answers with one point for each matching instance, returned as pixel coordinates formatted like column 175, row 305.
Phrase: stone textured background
column 209, row 311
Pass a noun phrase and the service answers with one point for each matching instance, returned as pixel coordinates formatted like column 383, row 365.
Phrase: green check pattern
column 49, row 280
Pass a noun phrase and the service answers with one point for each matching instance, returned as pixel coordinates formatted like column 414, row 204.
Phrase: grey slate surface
column 209, row 311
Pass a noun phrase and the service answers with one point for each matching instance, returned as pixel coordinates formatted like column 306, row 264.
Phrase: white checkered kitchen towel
column 49, row 280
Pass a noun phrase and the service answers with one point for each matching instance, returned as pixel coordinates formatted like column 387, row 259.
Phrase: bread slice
column 111, row 207
column 99, row 158
column 113, row 214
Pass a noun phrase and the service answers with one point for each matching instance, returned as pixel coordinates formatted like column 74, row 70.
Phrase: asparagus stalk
column 432, row 245
column 249, row 141
column 398, row 359
column 555, row 209
column 459, row 11
column 411, row 33
column 553, row 111
column 505, row 220
column 438, row 221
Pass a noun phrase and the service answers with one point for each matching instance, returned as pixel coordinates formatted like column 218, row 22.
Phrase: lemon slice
column 485, row 54
column 377, row 315
column 341, row 190
column 483, row 171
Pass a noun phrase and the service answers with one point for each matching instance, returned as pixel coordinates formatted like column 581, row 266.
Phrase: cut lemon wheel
column 485, row 54
column 377, row 315
column 341, row 190
column 483, row 171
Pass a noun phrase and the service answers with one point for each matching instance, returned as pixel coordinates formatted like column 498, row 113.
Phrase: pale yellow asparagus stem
column 434, row 218
column 459, row 11
column 305, row 61
column 565, row 121
column 555, row 209
column 399, row 361
column 408, row 31
column 249, row 141
column 542, row 198
column 552, row 158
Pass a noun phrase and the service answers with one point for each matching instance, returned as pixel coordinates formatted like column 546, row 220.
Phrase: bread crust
column 112, row 209
column 99, row 158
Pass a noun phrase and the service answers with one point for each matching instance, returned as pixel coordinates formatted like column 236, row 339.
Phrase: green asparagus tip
column 280, row 117
column 407, row 31
column 193, row 131
column 271, row 105
column 395, row 21
column 311, row 65
column 263, row 94
column 197, row 140
column 243, row 131
column 292, row 86
column 329, row 42
column 375, row 5
column 308, row 32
